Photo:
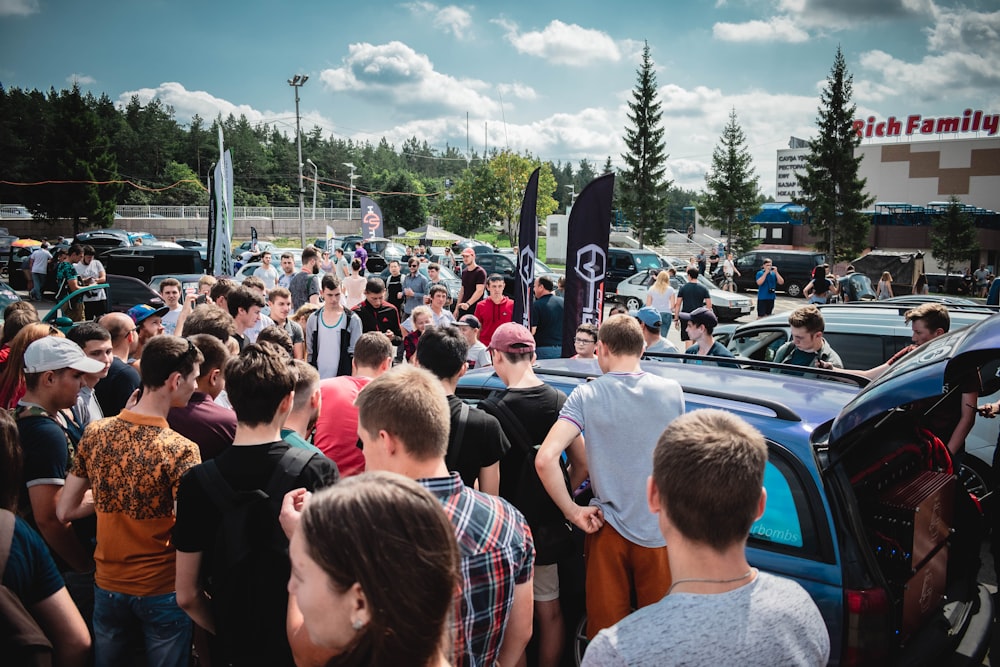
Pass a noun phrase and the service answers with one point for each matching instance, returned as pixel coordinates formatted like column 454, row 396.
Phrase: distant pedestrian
column 767, row 280
column 884, row 289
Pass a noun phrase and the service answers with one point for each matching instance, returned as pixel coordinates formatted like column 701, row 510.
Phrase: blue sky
column 549, row 77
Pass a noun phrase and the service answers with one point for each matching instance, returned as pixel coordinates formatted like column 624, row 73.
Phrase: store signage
column 970, row 121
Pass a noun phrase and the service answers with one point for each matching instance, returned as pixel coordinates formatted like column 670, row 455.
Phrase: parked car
column 795, row 266
column 819, row 528
column 626, row 262
column 478, row 246
column 506, row 266
column 865, row 335
column 7, row 297
column 726, row 305
column 261, row 247
column 127, row 291
column 144, row 261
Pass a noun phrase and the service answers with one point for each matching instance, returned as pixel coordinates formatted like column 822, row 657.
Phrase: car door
column 759, row 344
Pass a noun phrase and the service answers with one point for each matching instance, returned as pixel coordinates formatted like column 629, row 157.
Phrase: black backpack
column 250, row 553
column 552, row 533
column 22, row 641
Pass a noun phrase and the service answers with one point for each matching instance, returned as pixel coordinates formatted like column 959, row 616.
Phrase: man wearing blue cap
column 148, row 323
column 650, row 320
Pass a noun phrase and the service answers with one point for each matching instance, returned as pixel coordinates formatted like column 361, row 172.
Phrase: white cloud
column 451, row 19
column 19, row 7
column 396, row 74
column 187, row 103
column 563, row 43
column 775, row 29
column 80, row 80
column 518, row 90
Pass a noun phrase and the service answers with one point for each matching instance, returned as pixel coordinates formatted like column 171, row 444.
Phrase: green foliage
column 187, row 192
column 831, row 189
column 953, row 240
column 474, row 203
column 644, row 184
column 512, row 172
column 408, row 211
column 732, row 194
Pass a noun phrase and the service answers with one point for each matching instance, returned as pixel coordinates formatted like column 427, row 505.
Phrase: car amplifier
column 911, row 519
column 924, row 593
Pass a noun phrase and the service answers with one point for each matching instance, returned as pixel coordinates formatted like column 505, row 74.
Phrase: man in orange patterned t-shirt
column 133, row 464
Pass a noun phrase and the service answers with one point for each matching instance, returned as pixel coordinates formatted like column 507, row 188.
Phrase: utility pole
column 350, row 209
column 315, row 183
column 297, row 82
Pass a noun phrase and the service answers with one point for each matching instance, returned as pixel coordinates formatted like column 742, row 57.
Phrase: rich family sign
column 970, row 121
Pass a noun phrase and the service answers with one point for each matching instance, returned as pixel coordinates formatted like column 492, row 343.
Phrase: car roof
column 869, row 314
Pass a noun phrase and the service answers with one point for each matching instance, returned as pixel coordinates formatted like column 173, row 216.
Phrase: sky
column 551, row 77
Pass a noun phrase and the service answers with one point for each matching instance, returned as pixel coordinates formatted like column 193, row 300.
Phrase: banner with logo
column 329, row 239
column 372, row 223
column 254, row 249
column 587, row 257
column 221, row 223
column 527, row 249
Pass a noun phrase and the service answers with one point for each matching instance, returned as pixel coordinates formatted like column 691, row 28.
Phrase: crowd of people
column 265, row 474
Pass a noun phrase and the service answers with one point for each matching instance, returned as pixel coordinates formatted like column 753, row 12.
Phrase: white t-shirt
column 92, row 270
column 40, row 260
column 663, row 301
column 269, row 275
column 169, row 320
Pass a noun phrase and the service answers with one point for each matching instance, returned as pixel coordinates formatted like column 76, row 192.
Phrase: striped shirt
column 497, row 553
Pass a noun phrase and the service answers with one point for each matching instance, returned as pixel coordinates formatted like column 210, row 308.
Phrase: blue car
column 820, row 526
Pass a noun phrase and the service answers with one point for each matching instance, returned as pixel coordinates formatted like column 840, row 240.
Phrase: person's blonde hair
column 622, row 336
column 421, row 310
column 410, row 404
column 662, row 282
column 887, row 276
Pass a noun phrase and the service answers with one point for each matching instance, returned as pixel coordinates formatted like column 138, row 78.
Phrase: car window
column 622, row 262
column 861, row 351
column 637, row 279
column 746, row 261
column 503, row 265
column 788, row 522
column 759, row 345
column 645, row 261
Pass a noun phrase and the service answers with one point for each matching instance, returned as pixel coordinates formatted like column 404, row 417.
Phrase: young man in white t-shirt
column 267, row 273
column 325, row 347
column 90, row 271
column 477, row 356
column 170, row 292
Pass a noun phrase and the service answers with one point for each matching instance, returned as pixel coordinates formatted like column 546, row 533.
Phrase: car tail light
column 867, row 628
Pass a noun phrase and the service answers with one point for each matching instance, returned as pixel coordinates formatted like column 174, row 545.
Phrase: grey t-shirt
column 770, row 621
column 622, row 416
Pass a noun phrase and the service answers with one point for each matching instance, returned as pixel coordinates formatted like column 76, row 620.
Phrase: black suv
column 795, row 266
column 626, row 262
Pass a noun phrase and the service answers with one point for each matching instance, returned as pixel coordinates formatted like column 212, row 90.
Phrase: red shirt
column 491, row 315
column 337, row 426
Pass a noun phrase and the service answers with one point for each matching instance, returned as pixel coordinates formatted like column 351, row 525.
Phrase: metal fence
column 239, row 212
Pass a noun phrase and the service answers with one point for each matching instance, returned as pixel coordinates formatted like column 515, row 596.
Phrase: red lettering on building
column 970, row 121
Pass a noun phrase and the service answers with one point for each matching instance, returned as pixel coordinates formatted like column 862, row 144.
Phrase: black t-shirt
column 692, row 296
column 483, row 444
column 471, row 278
column 113, row 391
column 394, row 291
column 246, row 468
column 537, row 408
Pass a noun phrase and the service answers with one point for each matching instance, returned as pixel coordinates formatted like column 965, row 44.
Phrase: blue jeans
column 666, row 319
column 165, row 629
column 549, row 352
column 39, row 282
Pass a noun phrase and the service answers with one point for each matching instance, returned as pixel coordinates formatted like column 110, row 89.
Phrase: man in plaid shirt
column 494, row 608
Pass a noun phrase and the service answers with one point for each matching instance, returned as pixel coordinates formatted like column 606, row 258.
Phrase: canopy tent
column 430, row 234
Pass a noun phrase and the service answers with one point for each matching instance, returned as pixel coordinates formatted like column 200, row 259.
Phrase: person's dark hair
column 692, row 272
column 16, row 319
column 87, row 331
column 223, row 287
column 11, row 462
column 356, row 263
column 376, row 527
column 287, row 255
column 436, row 289
column 214, row 353
column 88, row 251
column 434, row 265
column 546, row 283
column 494, row 277
column 622, row 336
column 169, row 282
column 253, row 281
column 310, row 253
column 807, row 317
column 306, row 382
column 918, row 287
column 257, row 381
column 618, row 309
column 329, row 282
column 588, row 329
column 210, row 319
column 374, row 286
column 442, row 351
column 165, row 355
column 76, row 249
column 278, row 337
column 372, row 349
column 243, row 298
column 714, row 449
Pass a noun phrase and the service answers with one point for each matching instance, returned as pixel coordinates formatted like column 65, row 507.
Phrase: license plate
column 744, row 309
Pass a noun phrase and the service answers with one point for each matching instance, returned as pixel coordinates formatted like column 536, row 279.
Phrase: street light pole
column 350, row 209
column 315, row 183
column 297, row 82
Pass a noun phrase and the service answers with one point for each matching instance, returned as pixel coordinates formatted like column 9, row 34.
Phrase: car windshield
column 645, row 261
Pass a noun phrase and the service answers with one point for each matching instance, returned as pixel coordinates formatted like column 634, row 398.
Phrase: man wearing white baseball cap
column 55, row 369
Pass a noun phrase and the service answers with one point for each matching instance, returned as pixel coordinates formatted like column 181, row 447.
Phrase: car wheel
column 976, row 476
column 793, row 290
column 580, row 640
column 633, row 303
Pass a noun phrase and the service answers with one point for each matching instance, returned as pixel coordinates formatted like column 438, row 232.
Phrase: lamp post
column 350, row 206
column 572, row 197
column 297, row 82
column 315, row 183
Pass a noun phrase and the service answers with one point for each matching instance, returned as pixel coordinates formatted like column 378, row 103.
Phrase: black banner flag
column 586, row 257
column 372, row 223
column 527, row 249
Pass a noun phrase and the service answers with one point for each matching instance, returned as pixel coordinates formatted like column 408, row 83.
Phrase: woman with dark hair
column 920, row 287
column 375, row 571
column 30, row 571
column 821, row 287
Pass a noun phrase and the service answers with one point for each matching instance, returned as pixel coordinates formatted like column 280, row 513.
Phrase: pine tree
column 953, row 240
column 831, row 189
column 732, row 196
column 644, row 185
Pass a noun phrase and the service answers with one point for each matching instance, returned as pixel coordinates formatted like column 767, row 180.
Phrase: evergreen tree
column 644, row 184
column 953, row 240
column 732, row 194
column 831, row 189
